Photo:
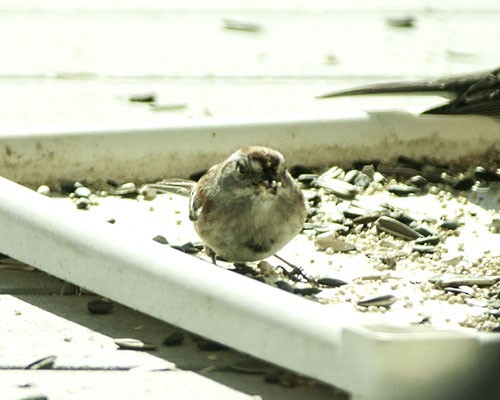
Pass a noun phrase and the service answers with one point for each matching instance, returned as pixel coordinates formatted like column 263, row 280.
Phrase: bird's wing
column 195, row 205
column 397, row 87
column 198, row 195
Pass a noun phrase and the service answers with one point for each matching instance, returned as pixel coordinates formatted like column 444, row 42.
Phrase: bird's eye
column 241, row 168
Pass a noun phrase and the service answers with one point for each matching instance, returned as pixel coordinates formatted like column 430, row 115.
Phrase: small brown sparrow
column 247, row 207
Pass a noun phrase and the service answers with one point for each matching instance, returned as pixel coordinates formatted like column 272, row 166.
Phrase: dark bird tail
column 474, row 93
column 446, row 87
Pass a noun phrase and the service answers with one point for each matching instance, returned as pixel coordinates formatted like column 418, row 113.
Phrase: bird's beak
column 271, row 185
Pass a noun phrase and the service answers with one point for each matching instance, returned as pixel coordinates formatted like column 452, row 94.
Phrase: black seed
column 407, row 173
column 366, row 219
column 331, row 282
column 273, row 378
column 449, row 224
column 82, row 203
column 176, row 338
column 402, row 217
column 244, row 269
column 26, row 385
column 431, row 240
column 463, row 184
column 160, row 239
column 484, row 174
column 197, row 245
column 43, row 363
column 312, row 212
column 418, row 181
column 354, row 212
column 284, row 286
column 312, row 197
column 99, row 306
column 402, row 22
column 410, row 162
column 459, row 290
column 210, row 345
column 496, row 329
column 402, row 190
column 396, row 228
column 424, row 320
column 188, row 248
column 111, row 221
column 425, row 230
column 298, row 169
column 306, row 291
column 142, row 98
column 379, row 301
column 254, row 367
column 289, row 380
column 112, row 183
column 400, row 172
column 68, row 186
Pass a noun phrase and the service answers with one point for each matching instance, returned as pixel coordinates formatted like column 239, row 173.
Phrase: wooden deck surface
column 74, row 64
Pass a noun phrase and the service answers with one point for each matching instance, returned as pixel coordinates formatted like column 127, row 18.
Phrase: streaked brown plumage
column 247, row 207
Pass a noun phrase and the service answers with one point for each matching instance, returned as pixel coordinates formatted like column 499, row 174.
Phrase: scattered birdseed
column 431, row 241
column 209, row 345
column 330, row 282
column 402, row 22
column 143, row 98
column 82, row 203
column 168, row 106
column 82, row 191
column 379, row 301
column 43, row 363
column 160, row 239
column 126, row 190
column 241, row 25
column 176, row 338
column 100, row 306
column 43, row 189
column 133, row 344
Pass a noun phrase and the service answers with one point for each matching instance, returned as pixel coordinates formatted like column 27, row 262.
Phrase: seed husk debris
column 425, row 228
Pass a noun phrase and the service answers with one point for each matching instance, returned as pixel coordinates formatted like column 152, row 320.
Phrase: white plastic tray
column 372, row 361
